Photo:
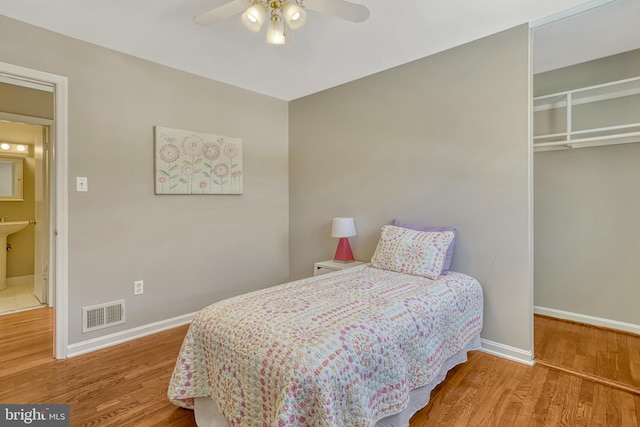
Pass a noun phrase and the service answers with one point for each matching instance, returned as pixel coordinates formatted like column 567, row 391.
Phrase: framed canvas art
column 188, row 162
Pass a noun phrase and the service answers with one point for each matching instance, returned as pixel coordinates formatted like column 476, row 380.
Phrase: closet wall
column 586, row 209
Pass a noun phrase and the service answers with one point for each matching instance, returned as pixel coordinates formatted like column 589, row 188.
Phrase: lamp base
column 343, row 252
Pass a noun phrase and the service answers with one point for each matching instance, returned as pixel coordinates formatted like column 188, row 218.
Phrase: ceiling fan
column 254, row 13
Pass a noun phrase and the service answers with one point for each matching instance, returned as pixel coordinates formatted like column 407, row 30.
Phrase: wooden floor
column 126, row 385
column 605, row 354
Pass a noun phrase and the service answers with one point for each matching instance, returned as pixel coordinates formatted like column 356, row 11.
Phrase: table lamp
column 343, row 227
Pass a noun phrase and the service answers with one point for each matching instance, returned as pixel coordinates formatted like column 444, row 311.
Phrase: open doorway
column 586, row 151
column 25, row 281
column 54, row 175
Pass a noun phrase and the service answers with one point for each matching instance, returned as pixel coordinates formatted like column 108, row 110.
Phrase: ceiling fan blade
column 221, row 13
column 340, row 8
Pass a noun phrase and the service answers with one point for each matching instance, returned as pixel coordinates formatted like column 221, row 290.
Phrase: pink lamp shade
column 343, row 228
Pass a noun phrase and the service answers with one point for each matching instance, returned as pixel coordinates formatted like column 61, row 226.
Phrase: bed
column 363, row 346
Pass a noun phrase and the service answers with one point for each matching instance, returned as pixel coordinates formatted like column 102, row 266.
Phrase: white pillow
column 420, row 253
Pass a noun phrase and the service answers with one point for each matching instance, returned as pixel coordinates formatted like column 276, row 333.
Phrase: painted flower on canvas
column 189, row 162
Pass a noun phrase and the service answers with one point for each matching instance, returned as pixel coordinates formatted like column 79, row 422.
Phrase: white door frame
column 58, row 258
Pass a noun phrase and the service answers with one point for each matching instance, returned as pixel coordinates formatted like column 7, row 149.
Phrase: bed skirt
column 208, row 415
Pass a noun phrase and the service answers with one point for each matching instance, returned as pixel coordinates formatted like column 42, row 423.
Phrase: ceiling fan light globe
column 294, row 15
column 275, row 32
column 253, row 17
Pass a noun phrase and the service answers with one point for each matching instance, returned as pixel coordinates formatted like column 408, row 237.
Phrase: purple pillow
column 449, row 254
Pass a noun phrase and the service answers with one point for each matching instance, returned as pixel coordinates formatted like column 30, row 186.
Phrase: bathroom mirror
column 11, row 178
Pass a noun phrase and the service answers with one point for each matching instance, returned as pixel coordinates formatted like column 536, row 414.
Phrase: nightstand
column 324, row 267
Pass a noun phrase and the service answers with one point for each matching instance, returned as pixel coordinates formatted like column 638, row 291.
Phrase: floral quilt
column 341, row 349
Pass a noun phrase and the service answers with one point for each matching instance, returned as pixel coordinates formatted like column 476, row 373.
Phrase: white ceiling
column 326, row 52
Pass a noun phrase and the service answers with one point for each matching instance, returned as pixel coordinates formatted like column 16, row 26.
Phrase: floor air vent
column 102, row 316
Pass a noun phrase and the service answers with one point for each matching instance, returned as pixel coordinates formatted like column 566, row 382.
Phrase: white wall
column 189, row 250
column 439, row 141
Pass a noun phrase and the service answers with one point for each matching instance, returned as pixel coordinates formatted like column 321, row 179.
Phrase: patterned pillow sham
column 449, row 257
column 419, row 253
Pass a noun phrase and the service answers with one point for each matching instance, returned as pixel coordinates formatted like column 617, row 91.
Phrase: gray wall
column 439, row 141
column 189, row 250
column 603, row 70
column 587, row 205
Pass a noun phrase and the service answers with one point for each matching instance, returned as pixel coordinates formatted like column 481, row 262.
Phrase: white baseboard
column 20, row 280
column 589, row 320
column 128, row 335
column 507, row 352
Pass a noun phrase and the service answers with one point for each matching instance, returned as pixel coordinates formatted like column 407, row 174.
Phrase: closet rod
column 588, row 131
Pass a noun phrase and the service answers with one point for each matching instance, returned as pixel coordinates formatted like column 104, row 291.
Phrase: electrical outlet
column 138, row 287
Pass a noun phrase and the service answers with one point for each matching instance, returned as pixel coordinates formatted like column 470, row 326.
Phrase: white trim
column 589, row 320
column 568, row 12
column 20, row 280
column 26, row 83
column 127, row 335
column 59, row 260
column 59, row 222
column 530, row 193
column 507, row 352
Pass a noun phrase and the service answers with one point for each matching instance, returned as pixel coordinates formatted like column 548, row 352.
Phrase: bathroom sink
column 10, row 227
column 6, row 228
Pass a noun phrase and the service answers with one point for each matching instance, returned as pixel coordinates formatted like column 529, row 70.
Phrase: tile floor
column 17, row 297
